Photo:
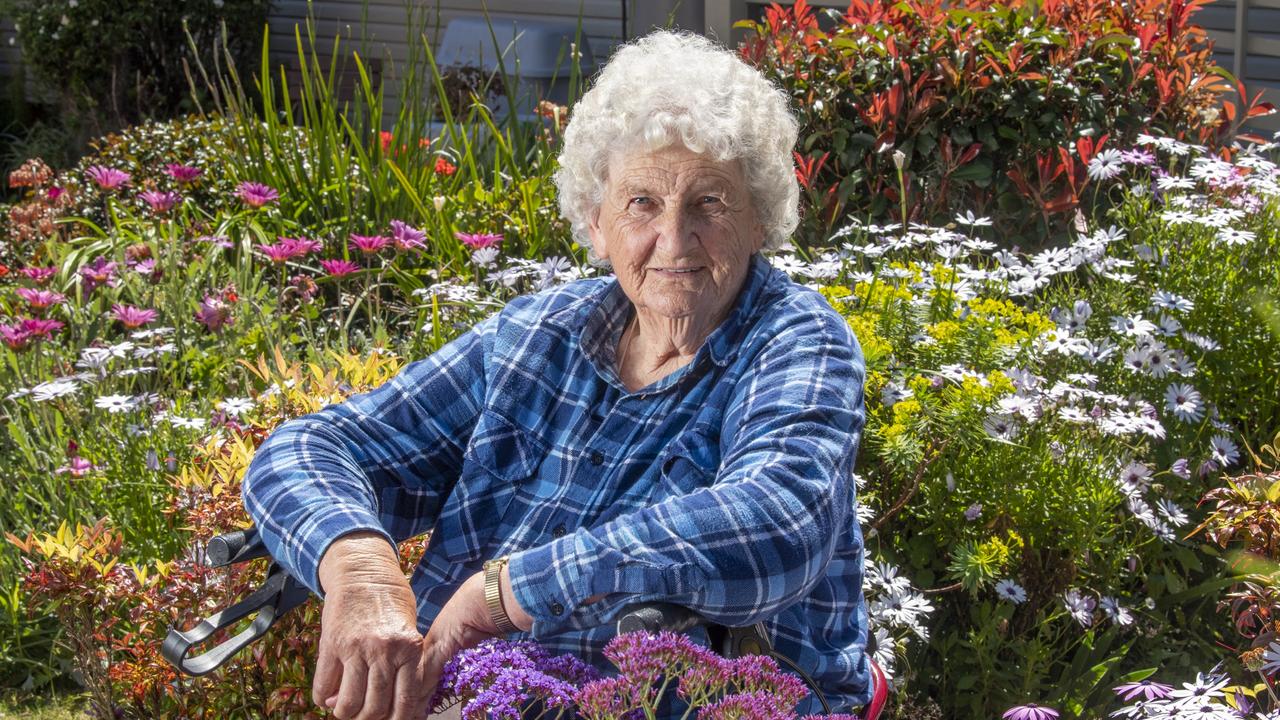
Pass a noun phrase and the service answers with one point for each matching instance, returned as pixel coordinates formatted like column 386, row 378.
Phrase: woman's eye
column 641, row 201
column 709, row 200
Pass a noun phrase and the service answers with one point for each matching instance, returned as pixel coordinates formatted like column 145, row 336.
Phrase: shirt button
column 597, row 458
column 556, row 608
column 559, row 531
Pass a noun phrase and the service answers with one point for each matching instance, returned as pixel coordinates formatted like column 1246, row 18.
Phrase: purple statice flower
column 612, row 697
column 760, row 674
column 973, row 512
column 40, row 299
column 183, row 173
column 754, row 705
column 1030, row 712
column 108, row 178
column 499, row 679
column 1148, row 689
column 98, row 272
column 161, row 201
column 705, row 679
column 406, row 237
column 256, row 194
column 339, row 268
column 132, row 317
column 370, row 244
column 40, row 275
column 476, row 241
column 214, row 313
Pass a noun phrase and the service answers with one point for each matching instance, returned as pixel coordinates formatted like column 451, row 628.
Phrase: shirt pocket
column 501, row 456
column 689, row 462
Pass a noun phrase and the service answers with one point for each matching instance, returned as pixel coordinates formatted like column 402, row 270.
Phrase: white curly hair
column 669, row 87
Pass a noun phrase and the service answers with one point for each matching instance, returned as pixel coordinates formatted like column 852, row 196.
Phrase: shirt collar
column 598, row 319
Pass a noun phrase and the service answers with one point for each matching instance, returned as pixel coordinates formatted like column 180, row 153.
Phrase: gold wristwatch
column 493, row 595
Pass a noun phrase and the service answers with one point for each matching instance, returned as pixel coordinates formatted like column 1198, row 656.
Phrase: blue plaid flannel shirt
column 726, row 486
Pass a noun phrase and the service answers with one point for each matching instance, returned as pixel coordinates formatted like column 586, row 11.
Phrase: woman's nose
column 676, row 230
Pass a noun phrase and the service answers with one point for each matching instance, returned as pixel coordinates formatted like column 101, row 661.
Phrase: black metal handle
column 235, row 547
column 277, row 596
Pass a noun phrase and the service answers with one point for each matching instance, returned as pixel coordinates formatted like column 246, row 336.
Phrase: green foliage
column 120, row 63
column 918, row 111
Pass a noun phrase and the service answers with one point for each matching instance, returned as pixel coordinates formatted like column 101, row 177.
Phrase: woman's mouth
column 679, row 272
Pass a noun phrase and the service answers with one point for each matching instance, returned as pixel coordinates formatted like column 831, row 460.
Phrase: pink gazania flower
column 39, row 327
column 132, row 317
column 475, row 241
column 182, row 173
column 40, row 275
column 78, row 467
column 370, row 244
column 98, row 272
column 407, row 237
column 108, row 178
column 339, row 268
column 256, row 194
column 1030, row 712
column 214, row 313
column 161, row 201
column 14, row 336
column 41, row 299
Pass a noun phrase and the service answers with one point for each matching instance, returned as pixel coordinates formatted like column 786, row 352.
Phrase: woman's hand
column 372, row 664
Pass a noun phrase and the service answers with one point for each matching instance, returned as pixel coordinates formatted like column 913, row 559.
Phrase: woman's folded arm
column 381, row 461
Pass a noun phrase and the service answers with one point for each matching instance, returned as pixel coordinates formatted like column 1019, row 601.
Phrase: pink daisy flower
column 339, row 268
column 40, row 275
column 182, row 173
column 39, row 327
column 370, row 244
column 108, row 178
column 161, row 201
column 132, row 317
column 214, row 313
column 40, row 299
column 256, row 194
column 475, row 241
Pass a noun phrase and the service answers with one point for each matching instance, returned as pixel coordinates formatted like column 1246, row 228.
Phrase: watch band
column 493, row 595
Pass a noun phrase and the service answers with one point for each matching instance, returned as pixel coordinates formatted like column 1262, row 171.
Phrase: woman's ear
column 598, row 243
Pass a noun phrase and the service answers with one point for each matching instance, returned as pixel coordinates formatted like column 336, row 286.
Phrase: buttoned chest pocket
column 690, row 462
column 500, row 457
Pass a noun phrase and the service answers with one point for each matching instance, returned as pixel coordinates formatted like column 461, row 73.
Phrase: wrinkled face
column 674, row 210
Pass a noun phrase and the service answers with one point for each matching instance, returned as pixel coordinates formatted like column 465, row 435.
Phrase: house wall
column 388, row 35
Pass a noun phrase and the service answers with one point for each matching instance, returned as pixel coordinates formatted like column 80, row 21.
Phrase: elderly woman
column 682, row 431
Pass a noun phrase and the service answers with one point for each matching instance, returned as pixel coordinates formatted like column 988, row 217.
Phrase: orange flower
column 444, row 167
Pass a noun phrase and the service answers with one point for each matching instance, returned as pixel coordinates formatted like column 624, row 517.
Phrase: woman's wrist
column 515, row 613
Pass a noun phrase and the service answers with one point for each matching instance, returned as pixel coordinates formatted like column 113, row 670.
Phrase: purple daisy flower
column 132, row 317
column 476, row 241
column 370, row 244
column 407, row 237
column 1030, row 712
column 1150, row 690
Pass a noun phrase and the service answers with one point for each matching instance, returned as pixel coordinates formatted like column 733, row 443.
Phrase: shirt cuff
column 551, row 581
column 322, row 530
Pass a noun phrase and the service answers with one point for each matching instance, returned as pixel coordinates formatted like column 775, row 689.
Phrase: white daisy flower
column 1176, row 516
column 235, row 406
column 188, row 423
column 1106, row 165
column 1080, row 606
column 1116, row 612
column 1223, row 450
column 53, row 389
column 1165, row 300
column 115, row 403
column 1184, row 402
column 1232, row 236
column 1011, row 591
